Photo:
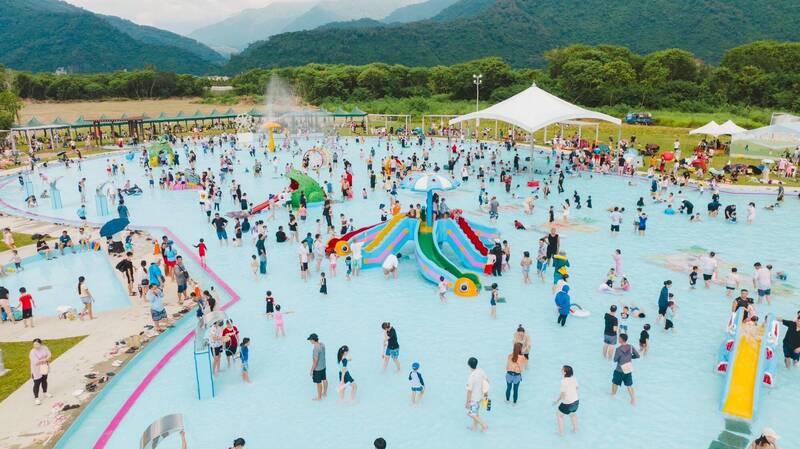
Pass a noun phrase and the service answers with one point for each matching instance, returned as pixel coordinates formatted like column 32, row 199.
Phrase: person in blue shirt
column 65, row 241
column 642, row 223
column 244, row 355
column 155, row 274
column 82, row 212
column 563, row 302
column 171, row 259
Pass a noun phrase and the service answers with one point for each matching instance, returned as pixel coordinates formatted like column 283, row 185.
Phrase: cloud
column 181, row 16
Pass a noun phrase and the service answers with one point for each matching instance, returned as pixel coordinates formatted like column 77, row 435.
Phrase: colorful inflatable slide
column 298, row 183
column 748, row 358
column 381, row 239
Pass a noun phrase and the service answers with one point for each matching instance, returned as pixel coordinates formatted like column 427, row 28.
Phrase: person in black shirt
column 610, row 332
column 126, row 266
column 391, row 344
column 220, row 223
column 742, row 302
column 791, row 341
column 280, row 236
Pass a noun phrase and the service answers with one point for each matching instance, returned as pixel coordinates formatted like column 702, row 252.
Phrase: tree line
column 762, row 74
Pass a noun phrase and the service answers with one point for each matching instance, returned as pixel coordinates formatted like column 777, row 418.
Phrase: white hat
column 769, row 432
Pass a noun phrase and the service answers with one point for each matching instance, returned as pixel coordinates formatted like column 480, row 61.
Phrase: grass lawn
column 15, row 357
column 20, row 239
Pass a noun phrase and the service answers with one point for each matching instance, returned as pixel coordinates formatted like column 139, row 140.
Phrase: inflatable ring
column 342, row 248
column 465, row 287
column 577, row 311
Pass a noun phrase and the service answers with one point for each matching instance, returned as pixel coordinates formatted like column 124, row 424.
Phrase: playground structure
column 299, row 184
column 271, row 127
column 322, row 157
column 389, row 237
column 160, row 152
column 748, row 358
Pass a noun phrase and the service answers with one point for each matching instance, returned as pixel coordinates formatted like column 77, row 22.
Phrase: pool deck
column 40, row 426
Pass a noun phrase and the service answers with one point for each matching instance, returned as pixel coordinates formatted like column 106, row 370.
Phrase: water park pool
column 53, row 283
column 678, row 390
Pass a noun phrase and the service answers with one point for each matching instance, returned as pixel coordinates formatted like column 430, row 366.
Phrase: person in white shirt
column 762, row 281
column 567, row 400
column 732, row 281
column 477, row 390
column 616, row 220
column 302, row 254
column 390, row 265
column 710, row 266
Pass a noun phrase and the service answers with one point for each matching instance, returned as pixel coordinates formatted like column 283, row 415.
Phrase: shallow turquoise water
column 678, row 391
column 54, row 283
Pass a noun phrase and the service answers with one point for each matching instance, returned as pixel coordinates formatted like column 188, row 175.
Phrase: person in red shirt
column 201, row 250
column 230, row 335
column 26, row 303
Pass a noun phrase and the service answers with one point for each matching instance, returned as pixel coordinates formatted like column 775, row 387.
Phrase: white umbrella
column 429, row 182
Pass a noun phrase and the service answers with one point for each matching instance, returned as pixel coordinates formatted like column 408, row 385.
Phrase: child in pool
column 332, row 264
column 279, row 331
column 693, row 276
column 417, row 384
column 495, row 294
column 644, row 340
column 672, row 310
column 244, row 356
column 323, row 284
column 348, row 262
column 270, row 302
column 254, row 265
column 526, row 266
column 442, row 288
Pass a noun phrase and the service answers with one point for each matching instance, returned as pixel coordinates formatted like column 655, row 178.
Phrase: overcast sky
column 181, row 16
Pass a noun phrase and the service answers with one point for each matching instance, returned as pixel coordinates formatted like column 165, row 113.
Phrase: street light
column 477, row 80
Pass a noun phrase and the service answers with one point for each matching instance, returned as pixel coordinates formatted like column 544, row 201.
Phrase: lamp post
column 477, row 80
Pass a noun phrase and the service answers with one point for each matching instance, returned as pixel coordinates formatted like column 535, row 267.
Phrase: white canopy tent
column 534, row 109
column 711, row 128
column 730, row 128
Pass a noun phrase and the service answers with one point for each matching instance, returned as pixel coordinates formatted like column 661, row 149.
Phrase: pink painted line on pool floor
column 102, row 441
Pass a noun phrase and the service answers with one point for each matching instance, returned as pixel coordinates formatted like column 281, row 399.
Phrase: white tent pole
column 596, row 132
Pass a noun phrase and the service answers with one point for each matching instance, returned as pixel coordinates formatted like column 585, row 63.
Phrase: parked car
column 639, row 118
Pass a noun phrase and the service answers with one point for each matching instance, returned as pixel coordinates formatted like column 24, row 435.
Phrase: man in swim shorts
column 317, row 371
column 391, row 345
column 219, row 224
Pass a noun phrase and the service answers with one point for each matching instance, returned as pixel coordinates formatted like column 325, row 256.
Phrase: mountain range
column 43, row 35
column 521, row 31
column 235, row 33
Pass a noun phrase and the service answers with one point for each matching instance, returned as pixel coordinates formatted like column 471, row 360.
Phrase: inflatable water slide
column 388, row 237
column 748, row 358
column 298, row 182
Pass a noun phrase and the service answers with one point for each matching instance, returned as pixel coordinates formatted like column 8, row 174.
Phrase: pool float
column 533, row 183
column 94, row 245
column 578, row 312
